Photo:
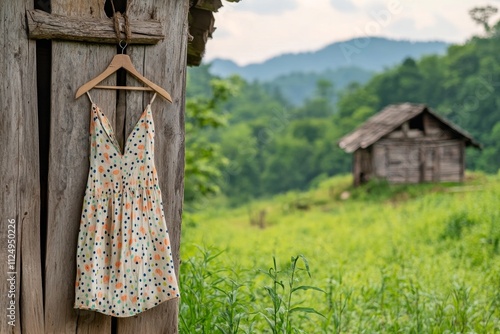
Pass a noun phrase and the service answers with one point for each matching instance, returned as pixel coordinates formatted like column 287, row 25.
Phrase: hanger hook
column 122, row 46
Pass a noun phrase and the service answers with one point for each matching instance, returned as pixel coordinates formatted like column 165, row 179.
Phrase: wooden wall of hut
column 422, row 151
column 44, row 173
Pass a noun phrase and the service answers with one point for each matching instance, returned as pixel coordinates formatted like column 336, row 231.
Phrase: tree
column 204, row 160
column 482, row 15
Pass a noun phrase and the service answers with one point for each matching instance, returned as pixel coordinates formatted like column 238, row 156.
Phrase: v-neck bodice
column 146, row 116
column 113, row 170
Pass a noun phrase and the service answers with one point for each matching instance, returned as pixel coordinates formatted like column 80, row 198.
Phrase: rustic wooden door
column 47, row 305
column 404, row 163
column 72, row 65
column 429, row 170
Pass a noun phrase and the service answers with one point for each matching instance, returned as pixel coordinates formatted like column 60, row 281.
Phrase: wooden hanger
column 122, row 61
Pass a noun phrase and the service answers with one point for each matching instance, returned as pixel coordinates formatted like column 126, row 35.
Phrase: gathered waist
column 116, row 190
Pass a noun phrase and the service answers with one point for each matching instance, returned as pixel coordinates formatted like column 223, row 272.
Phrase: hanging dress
column 124, row 258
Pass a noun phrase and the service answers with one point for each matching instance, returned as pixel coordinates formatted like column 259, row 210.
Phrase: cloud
column 345, row 6
column 266, row 7
column 440, row 28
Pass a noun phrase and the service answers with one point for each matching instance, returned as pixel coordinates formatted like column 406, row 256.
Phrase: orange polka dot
column 134, row 299
column 142, row 230
column 100, row 294
column 127, row 206
column 106, row 146
column 137, row 258
column 101, row 169
column 119, row 285
column 157, row 257
column 87, row 267
column 98, row 251
column 159, row 272
column 120, row 245
column 118, row 264
column 124, row 297
column 140, row 147
column 116, row 172
column 105, row 279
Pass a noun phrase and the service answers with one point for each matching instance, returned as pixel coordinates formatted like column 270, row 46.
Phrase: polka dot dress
column 124, row 259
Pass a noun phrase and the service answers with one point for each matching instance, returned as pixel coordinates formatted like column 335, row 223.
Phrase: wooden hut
column 46, row 55
column 408, row 143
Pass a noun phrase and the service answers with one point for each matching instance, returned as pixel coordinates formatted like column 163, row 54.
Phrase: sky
column 252, row 31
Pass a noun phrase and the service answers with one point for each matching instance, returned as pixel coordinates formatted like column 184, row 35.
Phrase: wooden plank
column 462, row 161
column 356, row 168
column 211, row 5
column 19, row 174
column 68, row 168
column 379, row 161
column 43, row 25
column 165, row 64
column 201, row 27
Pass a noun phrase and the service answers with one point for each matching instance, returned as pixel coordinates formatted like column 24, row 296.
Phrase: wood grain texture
column 19, row 173
column 164, row 64
column 72, row 65
column 82, row 29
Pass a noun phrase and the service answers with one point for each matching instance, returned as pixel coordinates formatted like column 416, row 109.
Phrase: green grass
column 388, row 259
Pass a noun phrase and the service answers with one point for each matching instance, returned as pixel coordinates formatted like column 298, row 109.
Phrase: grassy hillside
column 388, row 259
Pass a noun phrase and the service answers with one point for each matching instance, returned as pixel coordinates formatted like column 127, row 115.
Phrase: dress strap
column 89, row 98
column 153, row 98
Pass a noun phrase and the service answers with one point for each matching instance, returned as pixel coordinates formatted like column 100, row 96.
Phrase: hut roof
column 201, row 27
column 390, row 118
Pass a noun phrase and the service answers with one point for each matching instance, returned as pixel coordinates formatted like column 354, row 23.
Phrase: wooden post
column 19, row 174
column 164, row 64
column 72, row 65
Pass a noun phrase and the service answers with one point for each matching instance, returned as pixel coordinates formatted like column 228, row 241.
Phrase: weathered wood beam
column 211, row 5
column 42, row 25
column 201, row 27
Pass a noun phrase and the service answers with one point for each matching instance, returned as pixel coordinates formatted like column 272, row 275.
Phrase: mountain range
column 371, row 54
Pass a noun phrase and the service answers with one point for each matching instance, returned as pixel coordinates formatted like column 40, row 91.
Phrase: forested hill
column 356, row 60
column 370, row 54
column 268, row 145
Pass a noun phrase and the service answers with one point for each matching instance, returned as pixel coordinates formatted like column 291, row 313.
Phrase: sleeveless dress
column 124, row 259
